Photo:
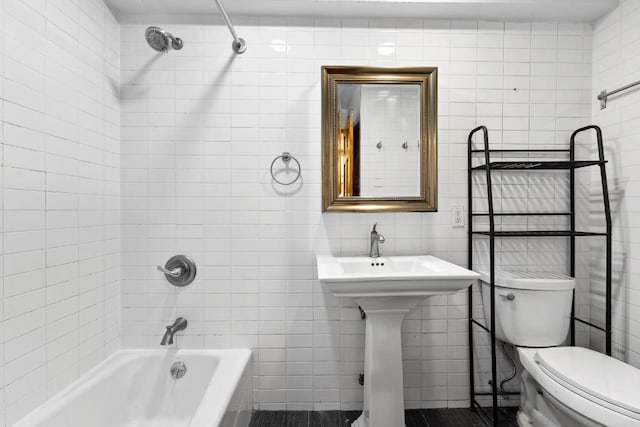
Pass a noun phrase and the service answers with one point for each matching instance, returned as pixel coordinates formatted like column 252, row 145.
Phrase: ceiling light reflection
column 279, row 46
column 385, row 49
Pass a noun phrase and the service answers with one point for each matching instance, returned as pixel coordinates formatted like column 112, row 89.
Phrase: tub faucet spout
column 179, row 325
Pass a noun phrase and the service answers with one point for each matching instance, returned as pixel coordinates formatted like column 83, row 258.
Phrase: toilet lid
column 533, row 280
column 595, row 376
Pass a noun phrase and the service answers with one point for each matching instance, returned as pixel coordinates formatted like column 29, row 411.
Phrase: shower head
column 161, row 41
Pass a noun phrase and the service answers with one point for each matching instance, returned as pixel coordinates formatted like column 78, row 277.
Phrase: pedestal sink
column 387, row 288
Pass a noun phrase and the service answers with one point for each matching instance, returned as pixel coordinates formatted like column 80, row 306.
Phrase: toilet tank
column 533, row 309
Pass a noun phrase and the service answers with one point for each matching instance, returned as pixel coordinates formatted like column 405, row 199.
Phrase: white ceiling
column 519, row 10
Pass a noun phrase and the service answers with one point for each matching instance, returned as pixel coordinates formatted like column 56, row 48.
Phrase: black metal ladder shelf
column 490, row 166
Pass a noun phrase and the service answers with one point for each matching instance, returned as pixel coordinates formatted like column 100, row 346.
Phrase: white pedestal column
column 383, row 381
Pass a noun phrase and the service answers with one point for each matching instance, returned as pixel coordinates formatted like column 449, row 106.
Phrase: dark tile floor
column 413, row 418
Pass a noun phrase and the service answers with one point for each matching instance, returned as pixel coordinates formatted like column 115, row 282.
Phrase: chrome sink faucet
column 375, row 241
column 179, row 325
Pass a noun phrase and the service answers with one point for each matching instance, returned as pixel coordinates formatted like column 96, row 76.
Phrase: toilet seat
column 601, row 379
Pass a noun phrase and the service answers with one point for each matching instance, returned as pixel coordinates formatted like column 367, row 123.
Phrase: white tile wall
column 616, row 62
column 200, row 128
column 60, row 311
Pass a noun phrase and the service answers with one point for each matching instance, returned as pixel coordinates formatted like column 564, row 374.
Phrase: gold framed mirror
column 379, row 139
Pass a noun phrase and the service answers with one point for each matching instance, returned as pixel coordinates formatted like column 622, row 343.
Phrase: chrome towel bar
column 602, row 97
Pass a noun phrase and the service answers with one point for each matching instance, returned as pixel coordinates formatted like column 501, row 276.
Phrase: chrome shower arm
column 238, row 45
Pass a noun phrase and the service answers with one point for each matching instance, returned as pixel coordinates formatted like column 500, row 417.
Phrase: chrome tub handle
column 176, row 272
column 180, row 270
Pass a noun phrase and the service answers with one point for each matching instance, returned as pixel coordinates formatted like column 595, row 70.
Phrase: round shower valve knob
column 180, row 270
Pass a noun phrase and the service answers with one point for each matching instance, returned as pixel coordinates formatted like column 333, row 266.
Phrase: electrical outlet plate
column 457, row 216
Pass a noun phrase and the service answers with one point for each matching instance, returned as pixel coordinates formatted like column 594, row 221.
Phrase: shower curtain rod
column 238, row 45
column 604, row 94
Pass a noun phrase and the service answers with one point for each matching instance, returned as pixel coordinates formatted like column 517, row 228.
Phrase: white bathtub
column 133, row 388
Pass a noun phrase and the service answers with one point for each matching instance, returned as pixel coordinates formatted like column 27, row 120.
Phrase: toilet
column 560, row 386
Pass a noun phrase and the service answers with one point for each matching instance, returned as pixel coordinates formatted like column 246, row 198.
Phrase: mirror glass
column 379, row 141
column 379, row 131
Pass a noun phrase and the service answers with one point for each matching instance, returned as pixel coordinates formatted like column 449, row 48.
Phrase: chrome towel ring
column 286, row 157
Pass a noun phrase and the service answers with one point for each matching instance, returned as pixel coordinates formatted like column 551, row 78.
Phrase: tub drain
column 178, row 369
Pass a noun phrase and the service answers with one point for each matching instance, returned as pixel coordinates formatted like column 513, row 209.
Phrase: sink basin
column 387, row 288
column 420, row 275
